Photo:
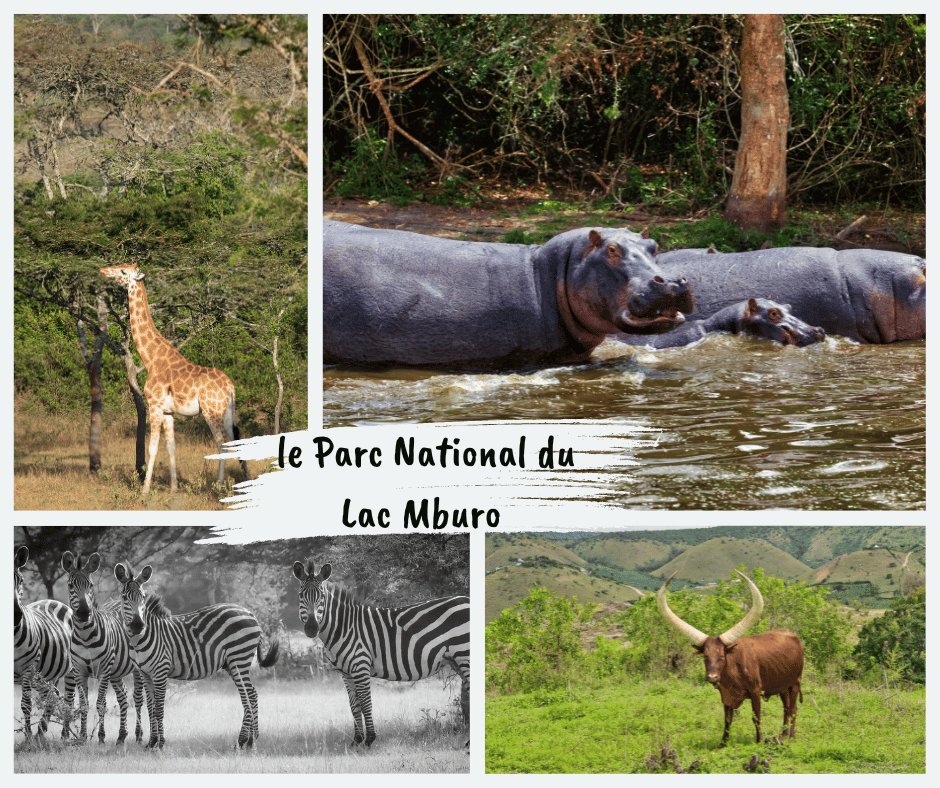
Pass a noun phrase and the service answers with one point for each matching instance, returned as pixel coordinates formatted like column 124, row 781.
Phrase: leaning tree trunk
column 758, row 198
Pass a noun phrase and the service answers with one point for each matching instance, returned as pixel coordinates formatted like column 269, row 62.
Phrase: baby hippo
column 756, row 317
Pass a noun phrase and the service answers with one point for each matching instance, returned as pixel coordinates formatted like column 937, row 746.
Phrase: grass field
column 305, row 727
column 50, row 466
column 650, row 726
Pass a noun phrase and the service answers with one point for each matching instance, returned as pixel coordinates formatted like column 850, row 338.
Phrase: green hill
column 511, row 584
column 635, row 554
column 717, row 558
column 506, row 549
column 889, row 572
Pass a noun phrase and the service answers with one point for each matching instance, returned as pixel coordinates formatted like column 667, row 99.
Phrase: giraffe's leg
column 220, row 434
column 171, row 448
column 156, row 424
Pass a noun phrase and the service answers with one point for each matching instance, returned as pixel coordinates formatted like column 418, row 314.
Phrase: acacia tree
column 758, row 197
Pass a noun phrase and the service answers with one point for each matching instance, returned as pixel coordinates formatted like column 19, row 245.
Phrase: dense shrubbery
column 894, row 645
column 647, row 104
column 538, row 643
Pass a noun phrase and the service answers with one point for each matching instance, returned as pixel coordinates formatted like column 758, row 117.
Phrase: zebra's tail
column 273, row 654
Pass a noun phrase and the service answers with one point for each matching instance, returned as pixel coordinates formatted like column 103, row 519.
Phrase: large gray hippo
column 393, row 297
column 756, row 317
column 865, row 295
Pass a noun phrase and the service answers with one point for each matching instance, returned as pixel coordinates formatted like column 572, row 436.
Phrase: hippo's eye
column 775, row 316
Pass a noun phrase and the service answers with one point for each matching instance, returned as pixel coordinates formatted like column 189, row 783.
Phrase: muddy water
column 742, row 424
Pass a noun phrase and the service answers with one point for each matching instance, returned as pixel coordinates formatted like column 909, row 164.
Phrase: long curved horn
column 697, row 637
column 757, row 607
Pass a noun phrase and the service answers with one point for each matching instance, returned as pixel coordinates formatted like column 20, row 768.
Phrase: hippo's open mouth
column 662, row 315
column 666, row 320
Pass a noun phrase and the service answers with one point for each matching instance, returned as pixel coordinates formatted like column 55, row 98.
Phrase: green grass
column 305, row 726
column 841, row 729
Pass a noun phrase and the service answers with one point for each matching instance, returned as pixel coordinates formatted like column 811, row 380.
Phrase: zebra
column 100, row 646
column 42, row 636
column 399, row 644
column 191, row 646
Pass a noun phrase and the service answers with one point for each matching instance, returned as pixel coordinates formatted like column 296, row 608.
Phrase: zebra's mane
column 156, row 608
column 352, row 594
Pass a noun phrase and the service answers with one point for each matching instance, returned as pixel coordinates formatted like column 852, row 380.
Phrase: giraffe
column 174, row 385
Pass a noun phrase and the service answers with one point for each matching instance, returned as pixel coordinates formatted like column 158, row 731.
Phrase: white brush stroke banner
column 432, row 476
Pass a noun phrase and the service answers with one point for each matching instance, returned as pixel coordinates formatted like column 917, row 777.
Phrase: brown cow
column 746, row 667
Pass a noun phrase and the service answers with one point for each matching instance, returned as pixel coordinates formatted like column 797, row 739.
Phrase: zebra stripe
column 42, row 635
column 189, row 647
column 399, row 644
column 100, row 647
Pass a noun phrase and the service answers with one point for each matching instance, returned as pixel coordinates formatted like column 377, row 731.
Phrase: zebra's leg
column 243, row 683
column 138, row 703
column 154, row 708
column 253, row 694
column 121, row 691
column 355, row 707
column 26, row 701
column 83, row 704
column 101, row 705
column 70, row 684
column 364, row 694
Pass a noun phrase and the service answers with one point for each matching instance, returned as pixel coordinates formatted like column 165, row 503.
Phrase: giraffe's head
column 123, row 274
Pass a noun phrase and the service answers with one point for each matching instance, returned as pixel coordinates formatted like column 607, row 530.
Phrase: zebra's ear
column 68, row 561
column 93, row 563
column 299, row 571
column 145, row 574
column 21, row 557
column 121, row 573
column 325, row 571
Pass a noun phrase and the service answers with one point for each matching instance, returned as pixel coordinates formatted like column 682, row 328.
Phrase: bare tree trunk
column 758, row 197
column 92, row 359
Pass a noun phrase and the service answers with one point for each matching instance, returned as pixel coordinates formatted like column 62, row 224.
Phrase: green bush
column 894, row 645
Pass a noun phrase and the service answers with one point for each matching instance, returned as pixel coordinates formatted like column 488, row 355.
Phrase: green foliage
column 614, row 728
column 650, row 97
column 894, row 645
column 655, row 648
column 535, row 644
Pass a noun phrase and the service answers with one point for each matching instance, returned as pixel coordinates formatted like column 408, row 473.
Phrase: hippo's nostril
column 659, row 280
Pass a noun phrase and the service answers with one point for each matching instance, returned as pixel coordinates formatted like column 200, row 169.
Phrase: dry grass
column 305, row 726
column 50, row 465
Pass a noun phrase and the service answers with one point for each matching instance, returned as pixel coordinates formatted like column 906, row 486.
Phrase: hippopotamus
column 398, row 298
column 870, row 296
column 756, row 317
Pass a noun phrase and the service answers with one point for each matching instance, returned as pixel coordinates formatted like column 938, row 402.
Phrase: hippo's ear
column 752, row 308
column 595, row 240
column 712, row 250
column 645, row 232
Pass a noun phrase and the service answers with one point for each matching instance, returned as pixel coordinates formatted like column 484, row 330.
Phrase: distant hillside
column 840, row 540
column 717, row 558
column 813, row 545
column 890, row 572
column 511, row 584
column 504, row 549
column 642, row 554
column 844, row 556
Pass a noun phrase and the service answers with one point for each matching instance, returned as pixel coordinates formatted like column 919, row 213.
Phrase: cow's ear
column 731, row 647
column 699, row 649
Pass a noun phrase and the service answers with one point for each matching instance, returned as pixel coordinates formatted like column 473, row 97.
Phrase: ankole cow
column 747, row 667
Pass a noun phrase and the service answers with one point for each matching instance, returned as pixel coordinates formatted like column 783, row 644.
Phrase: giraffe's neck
column 150, row 344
